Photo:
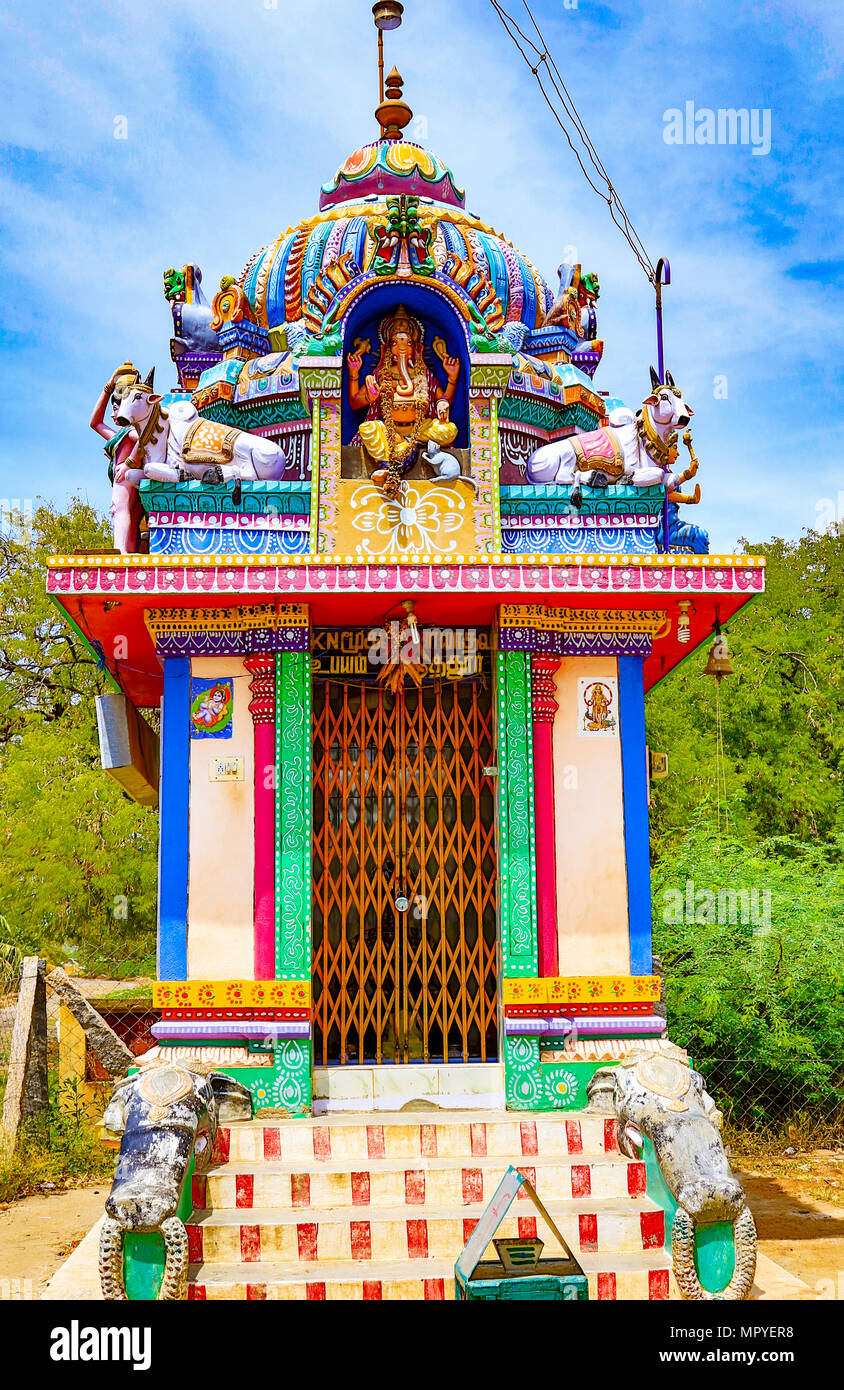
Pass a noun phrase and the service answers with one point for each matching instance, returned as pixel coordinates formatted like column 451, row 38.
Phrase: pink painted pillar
column 262, row 708
column 544, row 710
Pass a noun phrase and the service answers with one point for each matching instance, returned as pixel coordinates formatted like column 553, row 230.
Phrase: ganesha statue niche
column 406, row 404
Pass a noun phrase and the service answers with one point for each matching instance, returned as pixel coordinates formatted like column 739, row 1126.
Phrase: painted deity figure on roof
column 407, row 405
column 120, row 446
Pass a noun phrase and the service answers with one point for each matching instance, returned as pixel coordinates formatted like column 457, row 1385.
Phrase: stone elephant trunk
column 657, row 1096
column 165, row 1114
column 690, row 1145
column 149, row 1175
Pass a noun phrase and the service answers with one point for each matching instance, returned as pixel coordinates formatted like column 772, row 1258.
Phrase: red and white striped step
column 390, row 1233
column 338, row 1207
column 646, row 1277
column 475, row 1135
column 390, row 1182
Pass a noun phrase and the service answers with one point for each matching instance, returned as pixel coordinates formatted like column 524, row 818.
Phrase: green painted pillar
column 292, row 1082
column 516, row 843
column 517, row 862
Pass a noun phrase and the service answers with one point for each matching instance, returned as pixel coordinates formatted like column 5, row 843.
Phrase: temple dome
column 391, row 167
column 278, row 279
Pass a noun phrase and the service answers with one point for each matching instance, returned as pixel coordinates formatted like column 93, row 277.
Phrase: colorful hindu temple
column 398, row 576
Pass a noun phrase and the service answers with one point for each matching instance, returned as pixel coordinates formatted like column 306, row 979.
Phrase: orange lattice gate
column 404, row 873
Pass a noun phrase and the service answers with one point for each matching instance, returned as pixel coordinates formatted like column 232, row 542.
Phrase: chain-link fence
column 126, row 1007
column 804, row 1104
column 774, row 1066
column 52, row 1131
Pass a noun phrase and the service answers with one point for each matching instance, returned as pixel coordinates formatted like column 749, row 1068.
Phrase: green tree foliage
column 45, row 671
column 77, row 857
column 761, row 1008
column 752, row 939
column 781, row 712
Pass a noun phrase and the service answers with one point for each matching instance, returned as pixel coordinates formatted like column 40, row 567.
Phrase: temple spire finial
column 392, row 113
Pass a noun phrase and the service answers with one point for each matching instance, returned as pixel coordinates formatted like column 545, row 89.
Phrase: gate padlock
column 402, row 903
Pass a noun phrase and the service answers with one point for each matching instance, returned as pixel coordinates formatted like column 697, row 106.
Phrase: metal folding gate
column 404, row 964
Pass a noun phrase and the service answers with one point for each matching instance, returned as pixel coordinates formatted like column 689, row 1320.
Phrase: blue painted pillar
column 173, row 821
column 634, row 774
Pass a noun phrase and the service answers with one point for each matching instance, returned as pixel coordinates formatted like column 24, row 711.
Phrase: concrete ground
column 37, row 1234
column 804, row 1235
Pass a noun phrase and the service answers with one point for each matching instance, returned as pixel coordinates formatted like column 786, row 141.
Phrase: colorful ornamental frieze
column 218, row 994
column 619, row 989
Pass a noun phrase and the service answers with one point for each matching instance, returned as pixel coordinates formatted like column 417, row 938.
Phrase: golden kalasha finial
column 393, row 114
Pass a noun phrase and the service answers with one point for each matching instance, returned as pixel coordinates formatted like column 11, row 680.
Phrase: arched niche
column 439, row 319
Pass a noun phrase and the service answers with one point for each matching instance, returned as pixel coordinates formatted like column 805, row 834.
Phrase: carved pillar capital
column 542, row 670
column 261, row 666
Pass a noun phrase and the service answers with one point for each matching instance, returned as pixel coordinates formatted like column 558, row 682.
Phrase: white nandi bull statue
column 177, row 445
column 636, row 448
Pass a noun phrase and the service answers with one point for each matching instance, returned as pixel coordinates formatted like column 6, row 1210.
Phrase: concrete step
column 456, row 1086
column 641, row 1277
column 592, row 1224
column 427, row 1134
column 240, row 1185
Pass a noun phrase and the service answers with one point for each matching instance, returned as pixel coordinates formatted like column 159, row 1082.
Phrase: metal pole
column 381, row 70
column 663, row 268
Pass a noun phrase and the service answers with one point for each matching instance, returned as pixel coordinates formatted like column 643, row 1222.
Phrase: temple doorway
column 404, row 872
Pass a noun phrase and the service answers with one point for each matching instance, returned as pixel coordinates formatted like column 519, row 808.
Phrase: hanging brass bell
column 718, row 663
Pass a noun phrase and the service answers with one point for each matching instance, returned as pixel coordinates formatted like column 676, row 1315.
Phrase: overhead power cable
column 562, row 107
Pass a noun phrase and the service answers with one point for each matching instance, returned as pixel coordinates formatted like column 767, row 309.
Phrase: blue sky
column 237, row 113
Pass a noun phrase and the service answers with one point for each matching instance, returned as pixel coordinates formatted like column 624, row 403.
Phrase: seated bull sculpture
column 165, row 1113
column 639, row 449
column 658, row 1095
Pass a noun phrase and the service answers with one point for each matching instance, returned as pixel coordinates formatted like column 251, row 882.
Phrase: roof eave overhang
column 105, row 597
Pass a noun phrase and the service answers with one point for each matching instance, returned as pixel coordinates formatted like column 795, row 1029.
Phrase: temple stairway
column 378, row 1206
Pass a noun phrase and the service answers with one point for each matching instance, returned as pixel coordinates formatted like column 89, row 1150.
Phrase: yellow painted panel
column 583, row 989
column 430, row 518
column 223, row 994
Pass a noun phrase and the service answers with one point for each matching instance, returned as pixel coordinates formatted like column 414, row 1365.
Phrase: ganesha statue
column 406, row 404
